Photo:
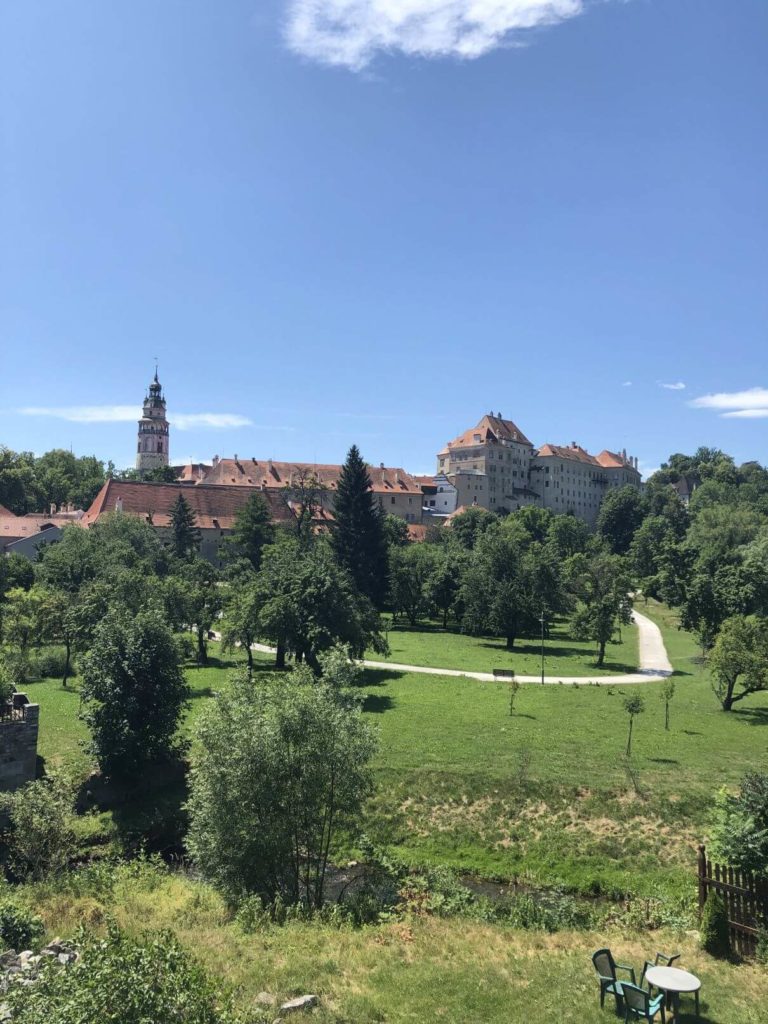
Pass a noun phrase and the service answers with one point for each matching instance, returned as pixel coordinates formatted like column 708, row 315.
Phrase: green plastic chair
column 606, row 968
column 665, row 961
column 640, row 1005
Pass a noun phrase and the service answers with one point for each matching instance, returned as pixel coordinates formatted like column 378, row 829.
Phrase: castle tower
column 152, row 448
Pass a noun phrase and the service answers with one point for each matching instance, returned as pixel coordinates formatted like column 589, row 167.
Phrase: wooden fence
column 745, row 896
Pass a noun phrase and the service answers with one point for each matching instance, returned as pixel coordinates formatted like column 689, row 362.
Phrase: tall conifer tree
column 359, row 539
column 186, row 535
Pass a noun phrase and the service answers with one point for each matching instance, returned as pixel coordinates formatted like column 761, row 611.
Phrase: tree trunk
column 445, row 618
column 510, row 642
column 249, row 655
column 202, row 649
column 280, row 655
column 629, row 738
column 601, row 654
column 68, row 649
column 666, row 717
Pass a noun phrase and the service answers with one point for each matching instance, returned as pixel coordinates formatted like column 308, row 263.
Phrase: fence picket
column 745, row 896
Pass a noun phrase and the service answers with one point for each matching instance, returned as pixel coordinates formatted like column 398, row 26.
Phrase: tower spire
column 152, row 448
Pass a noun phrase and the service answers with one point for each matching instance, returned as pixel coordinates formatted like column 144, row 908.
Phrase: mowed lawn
column 430, row 645
column 420, row 969
column 545, row 794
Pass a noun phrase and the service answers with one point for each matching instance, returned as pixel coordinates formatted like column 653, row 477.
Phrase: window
column 392, row 499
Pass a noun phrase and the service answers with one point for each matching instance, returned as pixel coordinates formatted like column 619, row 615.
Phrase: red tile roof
column 268, row 473
column 15, row 527
column 491, row 429
column 215, row 506
column 573, row 451
column 5, row 511
column 612, row 460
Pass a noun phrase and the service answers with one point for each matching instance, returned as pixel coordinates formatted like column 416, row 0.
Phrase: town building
column 24, row 535
column 397, row 492
column 495, row 466
column 215, row 508
column 152, row 449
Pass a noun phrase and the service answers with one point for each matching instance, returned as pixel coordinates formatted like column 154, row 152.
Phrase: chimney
column 119, row 505
column 215, row 460
column 381, row 465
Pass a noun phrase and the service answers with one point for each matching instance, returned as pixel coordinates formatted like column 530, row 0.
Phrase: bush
column 19, row 668
column 41, row 837
column 761, row 951
column 50, row 663
column 149, row 978
column 19, row 927
column 715, row 934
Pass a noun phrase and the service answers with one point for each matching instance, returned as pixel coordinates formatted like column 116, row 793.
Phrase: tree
column 739, row 659
column 24, row 617
column 568, row 535
column 184, row 530
column 309, row 604
column 621, row 513
column 443, row 585
column 241, row 618
column 492, row 591
column 395, row 531
column 359, row 541
column 469, row 526
column 634, row 706
column 409, row 574
column 133, row 692
column 740, row 833
column 252, row 531
column 279, row 770
column 514, row 688
column 193, row 601
column 666, row 694
column 602, row 584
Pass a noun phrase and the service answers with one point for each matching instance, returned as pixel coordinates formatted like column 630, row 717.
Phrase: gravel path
column 653, row 658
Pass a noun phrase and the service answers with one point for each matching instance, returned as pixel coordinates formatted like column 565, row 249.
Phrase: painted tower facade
column 152, row 448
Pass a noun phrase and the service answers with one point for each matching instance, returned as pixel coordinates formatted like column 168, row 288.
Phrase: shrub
column 19, row 927
column 41, row 837
column 50, row 663
column 715, row 934
column 149, row 978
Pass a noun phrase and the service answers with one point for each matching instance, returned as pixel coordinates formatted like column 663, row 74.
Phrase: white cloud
column 350, row 33
column 132, row 413
column 87, row 413
column 214, row 420
column 745, row 414
column 627, row 384
column 752, row 398
column 679, row 386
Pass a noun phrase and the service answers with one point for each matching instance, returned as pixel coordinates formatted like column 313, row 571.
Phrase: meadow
column 418, row 968
column 430, row 645
column 545, row 795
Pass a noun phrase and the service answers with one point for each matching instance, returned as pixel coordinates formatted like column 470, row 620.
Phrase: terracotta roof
column 5, row 511
column 573, row 451
column 215, row 507
column 193, row 472
column 612, row 460
column 417, row 532
column 268, row 473
column 490, row 430
column 15, row 527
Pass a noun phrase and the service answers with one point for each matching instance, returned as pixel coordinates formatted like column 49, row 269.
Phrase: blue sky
column 375, row 220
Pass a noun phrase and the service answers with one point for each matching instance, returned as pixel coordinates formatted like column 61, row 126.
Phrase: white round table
column 674, row 981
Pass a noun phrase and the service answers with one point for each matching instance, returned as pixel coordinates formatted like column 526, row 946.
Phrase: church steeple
column 152, row 449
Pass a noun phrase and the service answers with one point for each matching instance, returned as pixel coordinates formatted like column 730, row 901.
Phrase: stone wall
column 18, row 747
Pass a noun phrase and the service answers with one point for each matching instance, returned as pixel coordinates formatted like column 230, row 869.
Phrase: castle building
column 152, row 449
column 495, row 466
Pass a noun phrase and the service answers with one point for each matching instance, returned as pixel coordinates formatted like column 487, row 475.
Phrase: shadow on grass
column 692, row 732
column 204, row 691
column 751, row 716
column 522, row 714
column 663, row 760
column 147, row 813
column 379, row 676
column 378, row 703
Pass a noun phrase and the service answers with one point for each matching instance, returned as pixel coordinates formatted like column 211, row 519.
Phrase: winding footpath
column 652, row 655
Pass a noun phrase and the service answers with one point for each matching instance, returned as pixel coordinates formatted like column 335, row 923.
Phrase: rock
column 5, row 1011
column 266, row 999
column 300, row 1003
column 8, row 957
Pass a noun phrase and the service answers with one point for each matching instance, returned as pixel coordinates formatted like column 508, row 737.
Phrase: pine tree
column 186, row 535
column 252, row 531
column 359, row 539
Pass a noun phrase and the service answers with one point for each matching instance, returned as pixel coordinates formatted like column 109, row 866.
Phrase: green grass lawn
column 545, row 794
column 411, row 970
column 432, row 646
